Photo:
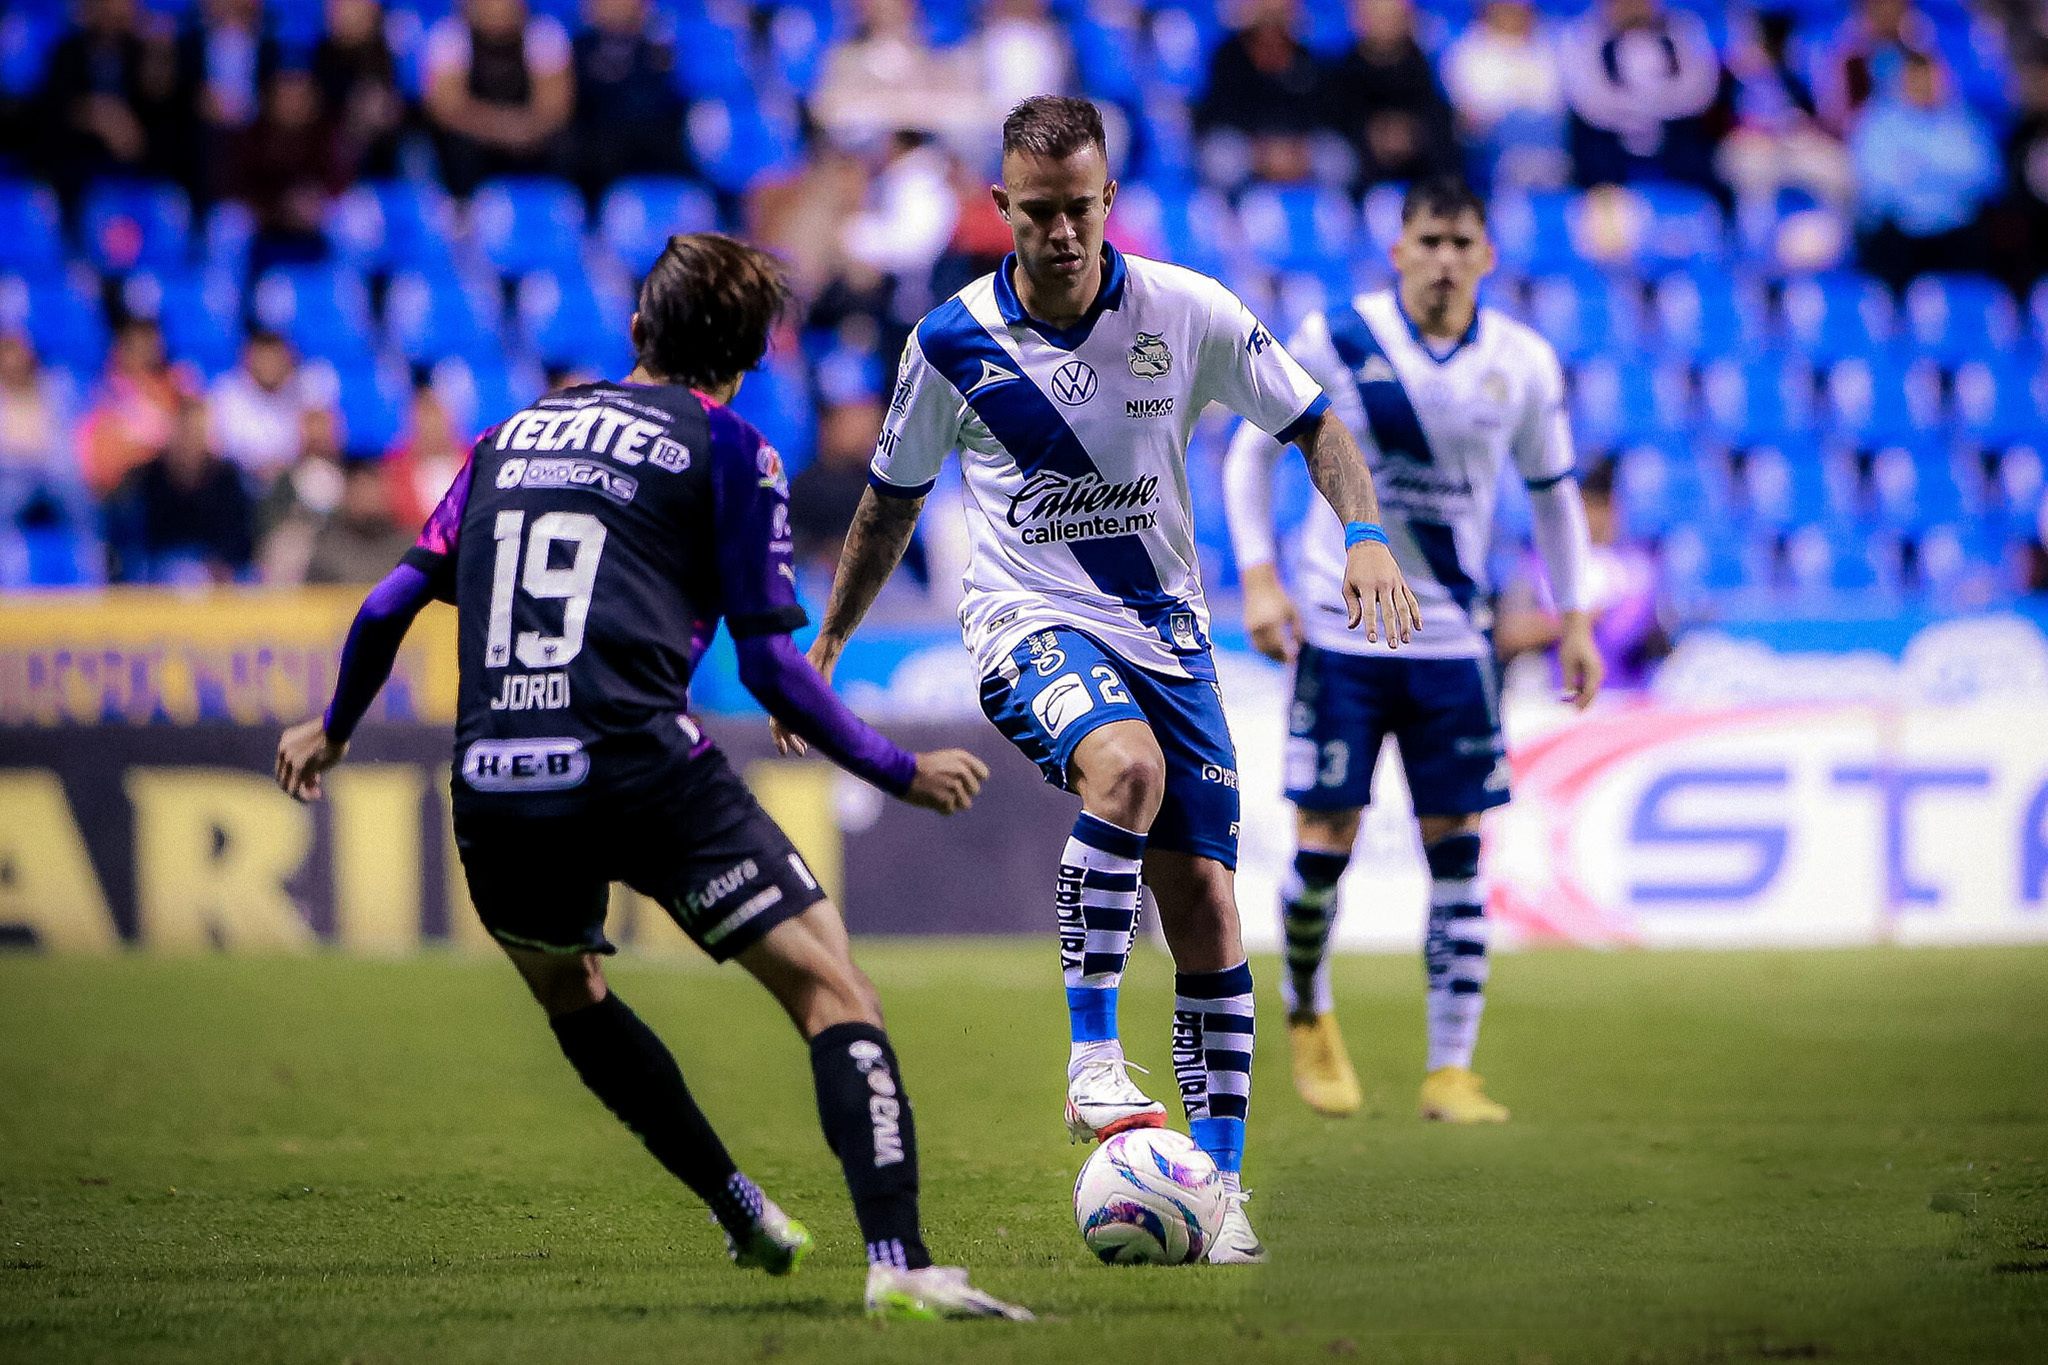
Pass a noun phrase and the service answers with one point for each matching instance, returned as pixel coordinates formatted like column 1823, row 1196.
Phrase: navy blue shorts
column 1066, row 685
column 1443, row 713
column 709, row 855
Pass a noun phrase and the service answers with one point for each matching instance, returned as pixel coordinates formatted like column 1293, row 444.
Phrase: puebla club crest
column 1149, row 357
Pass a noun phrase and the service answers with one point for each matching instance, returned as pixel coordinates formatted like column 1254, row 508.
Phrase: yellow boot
column 1322, row 1068
column 1451, row 1094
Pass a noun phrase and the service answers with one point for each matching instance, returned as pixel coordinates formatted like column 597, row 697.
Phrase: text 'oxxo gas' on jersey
column 1073, row 448
column 1436, row 433
column 591, row 546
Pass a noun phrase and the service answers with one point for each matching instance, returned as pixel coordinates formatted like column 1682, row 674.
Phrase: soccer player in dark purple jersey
column 591, row 544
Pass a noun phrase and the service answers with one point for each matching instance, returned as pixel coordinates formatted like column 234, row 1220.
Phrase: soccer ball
column 1148, row 1196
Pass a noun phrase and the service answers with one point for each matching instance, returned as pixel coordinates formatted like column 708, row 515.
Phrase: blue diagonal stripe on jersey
column 1439, row 549
column 1396, row 428
column 1019, row 415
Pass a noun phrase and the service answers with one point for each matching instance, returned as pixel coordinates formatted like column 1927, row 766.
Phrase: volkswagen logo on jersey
column 1074, row 383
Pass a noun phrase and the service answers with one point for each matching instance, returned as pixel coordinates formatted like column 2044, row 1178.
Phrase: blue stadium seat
column 1533, row 232
column 227, row 236
column 1913, row 486
column 62, row 314
column 776, row 400
column 714, row 61
column 1701, row 557
column 735, row 141
column 324, row 309
column 2000, row 398
column 1183, row 36
column 1684, row 226
column 1193, row 225
column 2037, row 309
column 429, row 315
column 484, row 389
column 1297, row 227
column 31, row 228
column 1584, row 313
column 1822, row 560
column 528, row 223
column 1110, row 58
column 567, row 322
column 128, row 224
column 1838, row 314
column 200, row 312
column 372, row 399
column 1618, row 401
column 1883, row 397
column 393, row 225
column 1955, row 317
column 1704, row 313
column 640, row 213
column 1775, row 488
column 2021, row 474
column 1958, row 557
column 1657, row 488
column 27, row 33
column 798, row 39
column 1759, row 398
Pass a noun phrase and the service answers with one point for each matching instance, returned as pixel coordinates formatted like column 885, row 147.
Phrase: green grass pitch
column 1713, row 1158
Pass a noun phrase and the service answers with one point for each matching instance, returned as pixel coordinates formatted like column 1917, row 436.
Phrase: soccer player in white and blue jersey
column 1069, row 381
column 1441, row 393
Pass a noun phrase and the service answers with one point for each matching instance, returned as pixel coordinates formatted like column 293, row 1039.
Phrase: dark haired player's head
column 1442, row 254
column 705, row 312
column 1055, row 195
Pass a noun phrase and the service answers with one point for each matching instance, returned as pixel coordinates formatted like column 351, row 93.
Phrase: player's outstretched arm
column 1375, row 593
column 312, row 747
column 875, row 543
column 804, row 707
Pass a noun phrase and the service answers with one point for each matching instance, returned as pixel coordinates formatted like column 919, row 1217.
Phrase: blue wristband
column 1358, row 532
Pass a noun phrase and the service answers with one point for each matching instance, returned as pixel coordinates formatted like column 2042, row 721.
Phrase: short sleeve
column 1247, row 371
column 446, row 49
column 1543, row 438
column 433, row 554
column 921, row 428
column 548, row 49
column 750, row 514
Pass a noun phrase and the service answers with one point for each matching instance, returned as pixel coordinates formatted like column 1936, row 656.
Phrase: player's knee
column 1327, row 831
column 562, row 984
column 1133, row 785
column 841, row 994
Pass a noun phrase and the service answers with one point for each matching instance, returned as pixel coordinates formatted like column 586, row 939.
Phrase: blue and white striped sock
column 1454, row 953
column 1097, row 899
column 1212, row 1058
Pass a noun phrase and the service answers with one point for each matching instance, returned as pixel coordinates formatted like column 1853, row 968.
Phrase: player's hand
column 787, row 741
column 1376, row 594
column 1578, row 659
column 947, row 781
column 303, row 754
column 1270, row 617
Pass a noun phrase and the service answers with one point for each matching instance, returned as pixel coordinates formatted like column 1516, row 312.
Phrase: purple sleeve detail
column 444, row 523
column 784, row 682
column 750, row 517
column 372, row 645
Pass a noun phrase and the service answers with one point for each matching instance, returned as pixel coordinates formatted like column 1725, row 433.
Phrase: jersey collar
column 1110, row 296
column 1471, row 332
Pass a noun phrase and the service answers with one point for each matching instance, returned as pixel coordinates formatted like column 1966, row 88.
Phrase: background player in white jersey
column 1070, row 380
column 1440, row 393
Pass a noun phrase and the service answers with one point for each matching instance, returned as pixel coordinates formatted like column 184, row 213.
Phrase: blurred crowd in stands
column 267, row 268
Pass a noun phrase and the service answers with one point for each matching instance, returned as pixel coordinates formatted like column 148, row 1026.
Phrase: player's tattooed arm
column 1375, row 593
column 1337, row 466
column 875, row 544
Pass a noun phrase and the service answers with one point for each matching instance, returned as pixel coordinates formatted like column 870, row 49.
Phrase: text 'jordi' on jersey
column 1437, row 429
column 591, row 545
column 1073, row 446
